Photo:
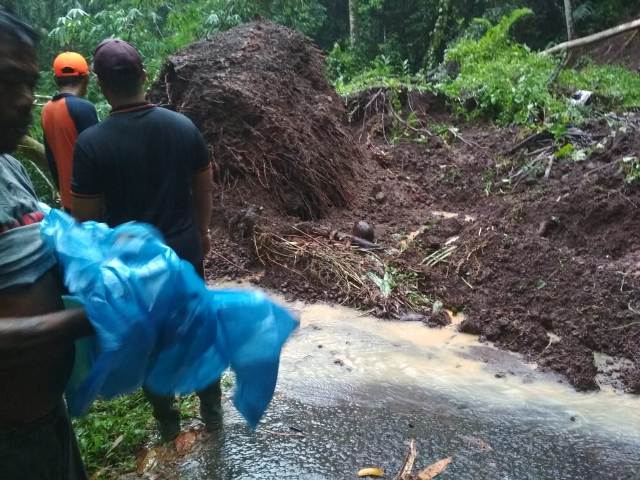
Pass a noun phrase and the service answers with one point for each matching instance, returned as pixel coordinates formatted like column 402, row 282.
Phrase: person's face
column 18, row 77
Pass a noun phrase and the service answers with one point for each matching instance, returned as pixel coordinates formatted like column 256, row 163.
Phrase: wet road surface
column 354, row 390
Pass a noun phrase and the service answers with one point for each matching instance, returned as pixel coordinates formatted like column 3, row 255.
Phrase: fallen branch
column 528, row 141
column 596, row 37
column 453, row 132
column 422, row 130
column 406, row 471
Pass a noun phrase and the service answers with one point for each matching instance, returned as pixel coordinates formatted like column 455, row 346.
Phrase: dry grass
column 362, row 279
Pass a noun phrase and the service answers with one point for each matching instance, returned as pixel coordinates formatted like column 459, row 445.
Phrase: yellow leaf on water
column 371, row 472
column 432, row 471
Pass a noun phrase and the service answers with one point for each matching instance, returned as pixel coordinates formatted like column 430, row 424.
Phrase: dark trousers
column 45, row 449
column 166, row 413
column 187, row 246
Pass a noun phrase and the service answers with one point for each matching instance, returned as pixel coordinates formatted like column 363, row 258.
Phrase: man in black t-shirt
column 148, row 164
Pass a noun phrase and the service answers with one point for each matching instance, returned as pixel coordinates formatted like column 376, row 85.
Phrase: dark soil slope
column 276, row 129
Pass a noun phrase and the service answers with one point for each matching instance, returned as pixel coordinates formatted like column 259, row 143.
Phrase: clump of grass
column 126, row 420
column 619, row 86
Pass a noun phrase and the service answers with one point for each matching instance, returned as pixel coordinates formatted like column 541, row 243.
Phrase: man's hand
column 205, row 241
column 202, row 186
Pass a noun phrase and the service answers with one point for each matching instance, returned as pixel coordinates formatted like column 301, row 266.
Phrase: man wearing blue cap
column 147, row 164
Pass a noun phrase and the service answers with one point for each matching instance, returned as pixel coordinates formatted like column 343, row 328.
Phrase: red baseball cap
column 70, row 64
column 116, row 56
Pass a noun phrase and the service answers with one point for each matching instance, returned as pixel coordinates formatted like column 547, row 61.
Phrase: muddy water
column 353, row 390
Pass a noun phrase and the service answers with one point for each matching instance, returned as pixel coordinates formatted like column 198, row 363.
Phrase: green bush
column 508, row 83
column 503, row 80
column 126, row 418
column 349, row 76
column 617, row 86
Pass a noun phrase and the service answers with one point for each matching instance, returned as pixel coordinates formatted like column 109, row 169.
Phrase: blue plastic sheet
column 156, row 322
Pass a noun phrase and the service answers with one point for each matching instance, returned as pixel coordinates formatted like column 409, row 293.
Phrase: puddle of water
column 442, row 360
column 359, row 388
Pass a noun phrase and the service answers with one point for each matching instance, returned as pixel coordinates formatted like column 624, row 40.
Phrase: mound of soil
column 542, row 256
column 275, row 127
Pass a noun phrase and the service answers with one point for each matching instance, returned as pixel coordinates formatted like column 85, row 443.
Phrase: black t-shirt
column 141, row 160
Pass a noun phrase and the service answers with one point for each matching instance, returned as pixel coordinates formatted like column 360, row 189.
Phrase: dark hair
column 70, row 81
column 124, row 83
column 17, row 30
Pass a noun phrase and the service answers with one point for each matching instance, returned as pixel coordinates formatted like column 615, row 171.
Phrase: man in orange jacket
column 64, row 117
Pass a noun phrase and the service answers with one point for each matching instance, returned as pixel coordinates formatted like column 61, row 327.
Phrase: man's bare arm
column 29, row 332
column 202, row 188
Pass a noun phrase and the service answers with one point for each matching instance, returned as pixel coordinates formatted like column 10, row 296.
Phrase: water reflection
column 353, row 390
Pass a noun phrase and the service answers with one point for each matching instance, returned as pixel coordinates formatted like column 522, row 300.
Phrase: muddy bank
column 539, row 248
column 543, row 265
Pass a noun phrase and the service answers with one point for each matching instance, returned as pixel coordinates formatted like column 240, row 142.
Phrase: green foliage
column 349, row 77
column 112, row 431
column 595, row 15
column 343, row 63
column 506, row 82
column 616, row 86
column 405, row 283
column 129, row 416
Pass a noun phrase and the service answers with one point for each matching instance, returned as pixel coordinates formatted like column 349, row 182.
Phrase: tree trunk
column 596, row 37
column 568, row 13
column 439, row 34
column 353, row 22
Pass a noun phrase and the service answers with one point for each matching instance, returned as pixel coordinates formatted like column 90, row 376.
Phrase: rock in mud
column 363, row 230
column 437, row 319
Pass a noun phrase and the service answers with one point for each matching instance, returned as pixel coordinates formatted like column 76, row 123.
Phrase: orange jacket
column 64, row 117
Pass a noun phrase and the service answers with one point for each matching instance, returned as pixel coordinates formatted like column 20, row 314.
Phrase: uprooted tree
column 273, row 124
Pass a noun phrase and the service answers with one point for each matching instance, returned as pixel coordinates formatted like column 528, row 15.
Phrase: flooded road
column 354, row 390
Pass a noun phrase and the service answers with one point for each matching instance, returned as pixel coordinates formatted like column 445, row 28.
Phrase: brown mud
column 259, row 95
column 541, row 253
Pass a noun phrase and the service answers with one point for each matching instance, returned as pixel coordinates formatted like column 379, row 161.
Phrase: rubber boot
column 211, row 406
column 166, row 415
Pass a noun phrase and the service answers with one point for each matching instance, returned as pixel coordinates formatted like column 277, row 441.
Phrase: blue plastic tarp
column 156, row 322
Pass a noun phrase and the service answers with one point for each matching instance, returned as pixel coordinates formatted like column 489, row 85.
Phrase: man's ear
column 85, row 84
column 101, row 85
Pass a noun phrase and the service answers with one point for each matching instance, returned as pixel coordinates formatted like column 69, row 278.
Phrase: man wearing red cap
column 148, row 164
column 64, row 117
